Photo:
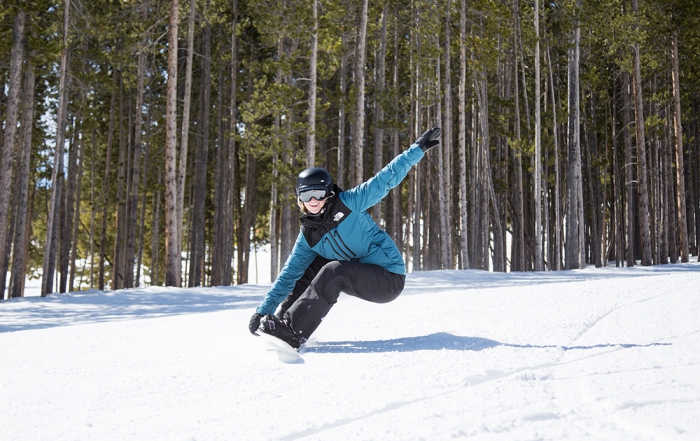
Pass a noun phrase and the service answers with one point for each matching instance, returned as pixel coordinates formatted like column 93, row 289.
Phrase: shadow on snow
column 105, row 306
column 437, row 342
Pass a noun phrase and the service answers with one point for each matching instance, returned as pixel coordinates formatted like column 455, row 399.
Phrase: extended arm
column 376, row 188
column 299, row 260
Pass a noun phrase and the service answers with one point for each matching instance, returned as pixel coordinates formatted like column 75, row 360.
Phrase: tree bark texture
column 463, row 195
column 313, row 61
column 537, row 174
column 359, row 126
column 172, row 226
column 19, row 257
column 201, row 161
column 680, row 168
column 380, row 81
column 8, row 143
column 574, row 179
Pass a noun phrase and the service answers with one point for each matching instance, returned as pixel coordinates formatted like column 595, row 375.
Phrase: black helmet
column 314, row 178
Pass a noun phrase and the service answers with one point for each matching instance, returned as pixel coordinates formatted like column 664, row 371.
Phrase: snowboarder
column 339, row 249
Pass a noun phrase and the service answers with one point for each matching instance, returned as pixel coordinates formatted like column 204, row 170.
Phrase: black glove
column 255, row 323
column 429, row 139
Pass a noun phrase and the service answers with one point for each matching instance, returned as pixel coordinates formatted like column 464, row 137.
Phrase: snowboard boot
column 279, row 328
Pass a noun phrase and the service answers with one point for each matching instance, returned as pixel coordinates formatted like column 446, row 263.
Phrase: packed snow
column 609, row 354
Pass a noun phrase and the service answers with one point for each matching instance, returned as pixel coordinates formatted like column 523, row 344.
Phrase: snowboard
column 285, row 353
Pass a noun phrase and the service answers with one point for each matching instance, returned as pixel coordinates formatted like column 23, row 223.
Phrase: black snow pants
column 318, row 290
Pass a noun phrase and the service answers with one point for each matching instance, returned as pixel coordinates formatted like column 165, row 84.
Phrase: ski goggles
column 313, row 193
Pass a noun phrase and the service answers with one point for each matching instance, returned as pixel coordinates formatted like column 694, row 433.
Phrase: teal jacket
column 345, row 231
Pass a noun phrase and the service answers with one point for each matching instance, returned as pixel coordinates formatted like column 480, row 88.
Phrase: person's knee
column 397, row 285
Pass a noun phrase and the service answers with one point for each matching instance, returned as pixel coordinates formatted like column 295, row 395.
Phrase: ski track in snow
column 588, row 326
column 524, row 373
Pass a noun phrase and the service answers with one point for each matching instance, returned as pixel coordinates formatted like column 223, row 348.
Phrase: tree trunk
column 446, row 159
column 680, row 169
column 597, row 206
column 185, row 129
column 187, row 239
column 574, row 246
column 617, row 184
column 380, row 82
column 663, row 201
column 19, row 256
column 274, row 197
column 518, row 245
column 200, row 165
column 230, row 198
column 93, row 207
column 65, row 233
column 311, row 131
column 3, row 99
column 629, row 171
column 172, row 220
column 155, row 234
column 135, row 168
column 119, row 239
column 106, row 180
column 142, row 222
column 248, row 220
column 325, row 150
column 641, row 154
column 642, row 178
column 57, row 174
column 219, row 160
column 591, row 228
column 473, row 155
column 359, row 126
column 340, row 176
column 415, row 207
column 394, row 223
column 670, row 195
column 274, row 237
column 654, row 183
column 537, row 174
column 463, row 195
column 288, row 208
column 76, row 214
column 248, row 214
column 220, row 172
column 8, row 143
column 435, row 206
column 556, row 265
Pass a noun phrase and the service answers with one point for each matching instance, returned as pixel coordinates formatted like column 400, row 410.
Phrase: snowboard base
column 284, row 352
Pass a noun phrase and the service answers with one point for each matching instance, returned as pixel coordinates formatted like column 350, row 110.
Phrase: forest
column 154, row 142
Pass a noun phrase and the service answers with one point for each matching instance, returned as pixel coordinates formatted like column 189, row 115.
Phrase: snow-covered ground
column 608, row 354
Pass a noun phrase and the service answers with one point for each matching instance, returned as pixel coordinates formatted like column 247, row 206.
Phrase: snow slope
column 609, row 354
